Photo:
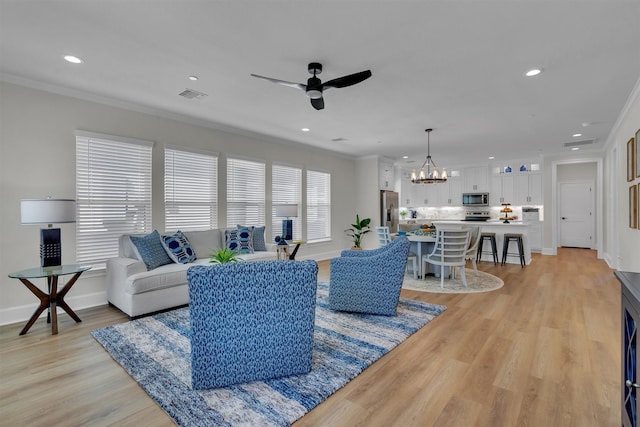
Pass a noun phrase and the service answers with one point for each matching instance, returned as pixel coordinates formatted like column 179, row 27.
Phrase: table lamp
column 287, row 211
column 48, row 211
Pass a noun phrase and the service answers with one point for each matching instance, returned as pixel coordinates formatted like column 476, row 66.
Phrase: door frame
column 598, row 200
column 592, row 224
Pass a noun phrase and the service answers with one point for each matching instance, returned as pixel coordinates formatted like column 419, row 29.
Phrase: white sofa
column 137, row 292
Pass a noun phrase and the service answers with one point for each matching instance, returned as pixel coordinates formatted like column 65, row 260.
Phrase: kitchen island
column 500, row 228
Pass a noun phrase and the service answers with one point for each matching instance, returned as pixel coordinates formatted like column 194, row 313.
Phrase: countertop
column 491, row 222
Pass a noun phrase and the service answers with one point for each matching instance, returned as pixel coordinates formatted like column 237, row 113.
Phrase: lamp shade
column 47, row 211
column 286, row 211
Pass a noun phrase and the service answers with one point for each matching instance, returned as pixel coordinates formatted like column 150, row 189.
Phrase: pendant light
column 429, row 173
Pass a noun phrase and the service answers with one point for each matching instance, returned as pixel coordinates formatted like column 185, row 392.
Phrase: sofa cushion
column 257, row 237
column 239, row 240
column 205, row 242
column 178, row 248
column 151, row 250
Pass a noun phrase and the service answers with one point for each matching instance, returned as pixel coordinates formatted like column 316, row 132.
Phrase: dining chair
column 474, row 239
column 450, row 250
column 384, row 238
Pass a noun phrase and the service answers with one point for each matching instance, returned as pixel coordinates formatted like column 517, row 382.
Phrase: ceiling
column 454, row 66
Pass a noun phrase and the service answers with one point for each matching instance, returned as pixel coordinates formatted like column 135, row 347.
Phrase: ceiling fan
column 315, row 87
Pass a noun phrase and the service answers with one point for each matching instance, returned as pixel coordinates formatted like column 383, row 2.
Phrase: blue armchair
column 369, row 281
column 251, row 321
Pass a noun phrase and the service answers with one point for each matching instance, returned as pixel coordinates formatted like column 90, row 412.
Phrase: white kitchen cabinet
column 476, row 179
column 453, row 192
column 406, row 191
column 386, row 175
column 502, row 190
column 528, row 189
column 535, row 236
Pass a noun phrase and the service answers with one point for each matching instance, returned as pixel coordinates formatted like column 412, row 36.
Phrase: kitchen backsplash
column 458, row 213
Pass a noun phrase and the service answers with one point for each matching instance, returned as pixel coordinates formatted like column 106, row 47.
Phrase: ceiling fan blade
column 318, row 103
column 282, row 82
column 349, row 80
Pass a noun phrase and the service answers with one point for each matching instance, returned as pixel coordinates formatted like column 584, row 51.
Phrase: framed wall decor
column 631, row 157
column 637, row 150
column 633, row 206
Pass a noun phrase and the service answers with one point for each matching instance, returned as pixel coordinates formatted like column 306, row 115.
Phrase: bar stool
column 515, row 237
column 494, row 250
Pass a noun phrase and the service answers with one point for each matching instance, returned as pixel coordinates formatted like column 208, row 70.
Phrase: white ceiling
column 455, row 66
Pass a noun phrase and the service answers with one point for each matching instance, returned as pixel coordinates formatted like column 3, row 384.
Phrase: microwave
column 475, row 199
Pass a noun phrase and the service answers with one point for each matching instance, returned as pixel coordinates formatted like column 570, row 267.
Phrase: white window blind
column 245, row 192
column 286, row 189
column 113, row 195
column 318, row 206
column 190, row 190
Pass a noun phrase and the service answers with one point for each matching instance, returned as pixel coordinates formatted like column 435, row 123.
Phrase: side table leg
column 63, row 292
column 44, row 304
column 53, row 299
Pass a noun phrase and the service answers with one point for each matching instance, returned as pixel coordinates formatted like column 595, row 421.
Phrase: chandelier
column 429, row 173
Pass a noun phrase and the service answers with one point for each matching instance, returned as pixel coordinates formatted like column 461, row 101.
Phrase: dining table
column 421, row 244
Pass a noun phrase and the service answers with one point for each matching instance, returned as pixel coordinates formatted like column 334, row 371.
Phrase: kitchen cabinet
column 406, row 191
column 386, row 175
column 630, row 314
column 476, row 179
column 451, row 194
column 501, row 189
column 535, row 236
column 528, row 188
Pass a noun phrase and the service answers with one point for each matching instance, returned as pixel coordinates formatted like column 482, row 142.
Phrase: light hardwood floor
column 541, row 351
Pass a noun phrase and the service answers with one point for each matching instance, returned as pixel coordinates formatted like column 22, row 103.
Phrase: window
column 190, row 190
column 318, row 206
column 286, row 189
column 245, row 192
column 113, row 194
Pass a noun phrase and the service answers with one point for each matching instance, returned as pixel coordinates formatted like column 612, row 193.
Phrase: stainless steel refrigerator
column 389, row 210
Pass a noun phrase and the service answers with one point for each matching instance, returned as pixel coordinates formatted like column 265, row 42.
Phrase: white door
column 576, row 214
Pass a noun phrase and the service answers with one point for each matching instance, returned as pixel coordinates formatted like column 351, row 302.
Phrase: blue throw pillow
column 151, row 250
column 178, row 248
column 258, row 241
column 239, row 240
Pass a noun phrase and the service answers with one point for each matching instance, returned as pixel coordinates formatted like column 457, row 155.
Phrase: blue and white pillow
column 151, row 251
column 258, row 241
column 178, row 248
column 239, row 240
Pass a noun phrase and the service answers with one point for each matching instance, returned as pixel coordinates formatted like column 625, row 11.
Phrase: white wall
column 624, row 246
column 37, row 154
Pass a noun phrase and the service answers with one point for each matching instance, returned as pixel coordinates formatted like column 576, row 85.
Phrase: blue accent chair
column 369, row 281
column 251, row 321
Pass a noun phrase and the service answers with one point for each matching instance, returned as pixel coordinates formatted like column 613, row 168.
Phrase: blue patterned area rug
column 155, row 351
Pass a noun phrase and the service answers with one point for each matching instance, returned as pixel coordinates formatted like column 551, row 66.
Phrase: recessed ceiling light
column 73, row 59
column 305, row 129
column 575, row 148
column 575, row 135
column 491, row 157
column 405, row 157
column 193, row 78
column 533, row 72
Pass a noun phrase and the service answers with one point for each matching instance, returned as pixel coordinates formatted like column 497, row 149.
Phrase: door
column 576, row 214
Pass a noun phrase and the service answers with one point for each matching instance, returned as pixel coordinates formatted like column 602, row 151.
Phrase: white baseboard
column 22, row 313
column 549, row 251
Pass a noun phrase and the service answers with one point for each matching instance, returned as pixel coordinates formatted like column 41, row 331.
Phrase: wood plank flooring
column 544, row 350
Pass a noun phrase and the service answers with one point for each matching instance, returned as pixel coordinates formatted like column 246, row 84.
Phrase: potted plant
column 403, row 213
column 224, row 256
column 358, row 230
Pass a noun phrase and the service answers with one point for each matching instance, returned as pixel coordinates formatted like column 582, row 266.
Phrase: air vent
column 339, row 139
column 192, row 94
column 579, row 143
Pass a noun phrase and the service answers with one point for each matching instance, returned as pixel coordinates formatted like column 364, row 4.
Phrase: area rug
column 482, row 282
column 155, row 351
